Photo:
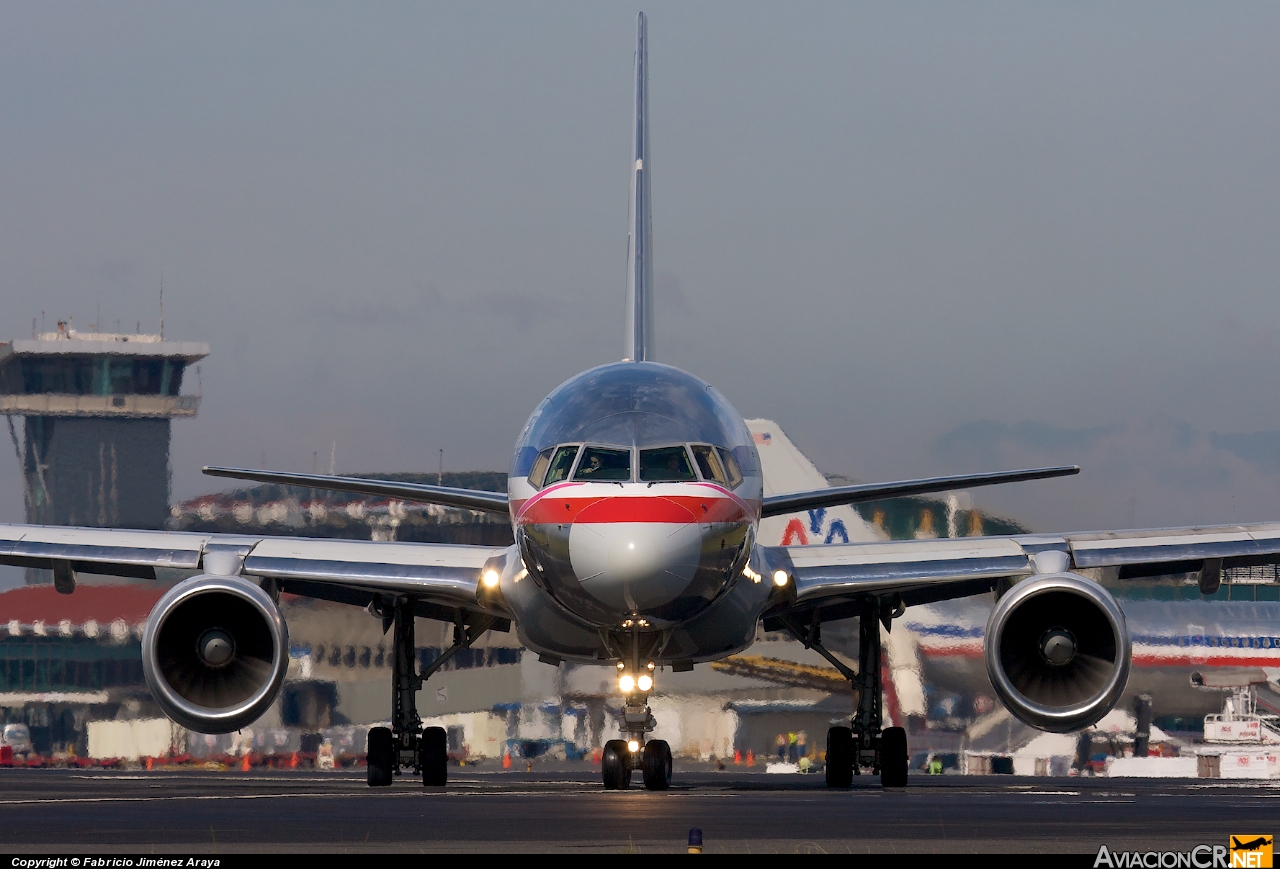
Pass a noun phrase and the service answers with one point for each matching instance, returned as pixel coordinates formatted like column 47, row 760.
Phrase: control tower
column 96, row 411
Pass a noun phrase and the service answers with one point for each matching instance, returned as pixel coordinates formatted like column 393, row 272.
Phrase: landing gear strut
column 406, row 744
column 864, row 744
column 621, row 757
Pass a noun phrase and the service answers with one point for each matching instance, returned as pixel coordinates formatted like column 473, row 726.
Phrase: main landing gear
column 406, row 744
column 622, row 756
column 864, row 744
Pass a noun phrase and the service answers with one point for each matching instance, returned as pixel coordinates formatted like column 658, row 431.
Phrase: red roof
column 101, row 603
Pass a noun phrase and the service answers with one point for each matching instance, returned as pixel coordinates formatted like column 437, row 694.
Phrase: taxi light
column 491, row 578
column 621, row 666
column 645, row 682
column 780, row 578
column 633, row 746
column 626, row 684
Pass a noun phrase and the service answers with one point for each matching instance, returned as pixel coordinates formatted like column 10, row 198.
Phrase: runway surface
column 46, row 811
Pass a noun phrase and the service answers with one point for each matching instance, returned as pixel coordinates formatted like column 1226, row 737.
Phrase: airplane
column 1251, row 845
column 635, row 496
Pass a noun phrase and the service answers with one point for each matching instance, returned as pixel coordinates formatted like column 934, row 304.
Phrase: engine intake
column 1057, row 651
column 214, row 653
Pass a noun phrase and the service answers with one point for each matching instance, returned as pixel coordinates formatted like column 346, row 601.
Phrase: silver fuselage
column 635, row 494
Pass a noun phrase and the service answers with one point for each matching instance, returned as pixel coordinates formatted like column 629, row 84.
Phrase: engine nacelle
column 214, row 653
column 1057, row 650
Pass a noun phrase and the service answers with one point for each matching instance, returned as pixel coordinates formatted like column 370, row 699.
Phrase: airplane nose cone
column 635, row 565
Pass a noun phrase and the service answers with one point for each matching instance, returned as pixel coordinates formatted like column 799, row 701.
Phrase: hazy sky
column 924, row 238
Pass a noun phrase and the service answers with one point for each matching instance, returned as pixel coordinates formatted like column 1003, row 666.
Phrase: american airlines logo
column 796, row 533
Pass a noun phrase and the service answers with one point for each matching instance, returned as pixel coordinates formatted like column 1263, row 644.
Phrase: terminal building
column 96, row 411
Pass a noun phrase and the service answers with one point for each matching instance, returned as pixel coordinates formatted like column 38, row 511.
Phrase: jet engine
column 214, row 653
column 1057, row 651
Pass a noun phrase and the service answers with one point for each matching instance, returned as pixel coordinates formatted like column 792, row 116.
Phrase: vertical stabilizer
column 639, row 344
column 786, row 469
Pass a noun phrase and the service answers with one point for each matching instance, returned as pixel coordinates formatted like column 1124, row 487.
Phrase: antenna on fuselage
column 639, row 303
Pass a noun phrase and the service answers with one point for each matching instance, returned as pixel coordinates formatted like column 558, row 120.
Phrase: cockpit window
column 561, row 462
column 540, row 464
column 709, row 464
column 666, row 465
column 601, row 465
column 730, row 467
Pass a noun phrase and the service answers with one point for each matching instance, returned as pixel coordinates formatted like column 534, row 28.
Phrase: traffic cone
column 737, row 757
column 244, row 764
column 751, row 757
column 293, row 760
column 150, row 763
column 506, row 759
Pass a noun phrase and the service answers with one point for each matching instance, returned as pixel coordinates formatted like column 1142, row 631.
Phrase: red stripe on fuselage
column 1140, row 658
column 562, row 505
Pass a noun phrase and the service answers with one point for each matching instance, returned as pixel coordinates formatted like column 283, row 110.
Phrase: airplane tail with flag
column 787, row 470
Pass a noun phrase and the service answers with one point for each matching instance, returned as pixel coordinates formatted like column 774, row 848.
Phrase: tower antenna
column 162, row 305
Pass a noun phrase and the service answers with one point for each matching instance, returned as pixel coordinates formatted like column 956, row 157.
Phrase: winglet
column 639, row 302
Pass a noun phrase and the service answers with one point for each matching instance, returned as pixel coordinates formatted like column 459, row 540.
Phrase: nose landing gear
column 621, row 756
column 619, row 760
column 656, row 765
column 652, row 758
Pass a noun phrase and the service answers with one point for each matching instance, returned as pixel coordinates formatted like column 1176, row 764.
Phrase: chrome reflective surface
column 661, row 548
column 1089, row 673
column 641, row 404
column 186, row 626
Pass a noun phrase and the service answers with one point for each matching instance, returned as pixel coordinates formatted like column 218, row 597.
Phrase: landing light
column 491, row 578
column 645, row 682
column 633, row 746
column 780, row 578
column 627, row 683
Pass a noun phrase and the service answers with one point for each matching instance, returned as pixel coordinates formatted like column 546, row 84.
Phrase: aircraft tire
column 839, row 757
column 893, row 757
column 435, row 757
column 656, row 765
column 381, row 757
column 615, row 765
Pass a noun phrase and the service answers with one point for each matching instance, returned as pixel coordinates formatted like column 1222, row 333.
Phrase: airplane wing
column 777, row 505
column 469, row 499
column 829, row 579
column 444, row 578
